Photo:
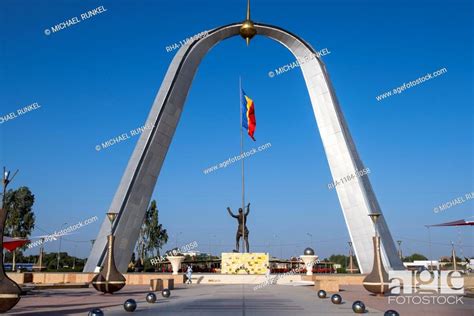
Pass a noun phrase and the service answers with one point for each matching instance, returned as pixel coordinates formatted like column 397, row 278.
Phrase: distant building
column 422, row 264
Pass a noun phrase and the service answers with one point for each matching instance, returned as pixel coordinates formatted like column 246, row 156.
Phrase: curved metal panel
column 133, row 196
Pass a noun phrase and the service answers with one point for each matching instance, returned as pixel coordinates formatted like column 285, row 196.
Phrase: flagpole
column 242, row 159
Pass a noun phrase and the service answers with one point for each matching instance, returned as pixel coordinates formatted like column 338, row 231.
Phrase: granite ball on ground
column 322, row 294
column 96, row 312
column 130, row 305
column 358, row 307
column 151, row 298
column 336, row 299
column 166, row 293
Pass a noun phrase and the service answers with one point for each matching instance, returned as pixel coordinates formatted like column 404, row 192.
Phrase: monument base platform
column 244, row 263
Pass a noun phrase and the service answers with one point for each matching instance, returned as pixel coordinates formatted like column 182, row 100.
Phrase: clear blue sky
column 97, row 79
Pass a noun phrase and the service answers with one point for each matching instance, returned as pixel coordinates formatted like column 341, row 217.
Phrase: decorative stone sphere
column 166, row 293
column 391, row 312
column 130, row 305
column 151, row 298
column 96, row 312
column 358, row 307
column 309, row 252
column 336, row 299
column 322, row 294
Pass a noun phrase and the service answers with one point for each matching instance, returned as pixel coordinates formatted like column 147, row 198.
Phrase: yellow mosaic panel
column 244, row 263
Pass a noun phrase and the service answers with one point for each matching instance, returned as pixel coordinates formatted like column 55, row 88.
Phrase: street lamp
column 351, row 262
column 74, row 262
column 176, row 238
column 281, row 247
column 210, row 250
column 6, row 181
column 429, row 245
column 399, row 242
column 9, row 290
column 40, row 259
column 453, row 255
column 311, row 237
column 59, row 249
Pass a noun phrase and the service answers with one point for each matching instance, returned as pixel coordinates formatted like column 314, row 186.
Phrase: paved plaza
column 219, row 300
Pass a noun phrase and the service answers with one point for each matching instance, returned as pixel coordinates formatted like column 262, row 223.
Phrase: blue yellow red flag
column 248, row 114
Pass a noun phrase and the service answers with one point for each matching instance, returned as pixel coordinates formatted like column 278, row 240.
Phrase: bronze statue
column 242, row 218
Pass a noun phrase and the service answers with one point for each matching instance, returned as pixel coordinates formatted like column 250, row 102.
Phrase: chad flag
column 248, row 114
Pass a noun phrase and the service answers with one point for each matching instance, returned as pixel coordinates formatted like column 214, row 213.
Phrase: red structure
column 11, row 244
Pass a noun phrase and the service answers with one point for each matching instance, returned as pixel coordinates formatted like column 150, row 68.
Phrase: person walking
column 268, row 276
column 189, row 274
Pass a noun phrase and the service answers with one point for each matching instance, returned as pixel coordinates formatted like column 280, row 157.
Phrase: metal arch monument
column 133, row 195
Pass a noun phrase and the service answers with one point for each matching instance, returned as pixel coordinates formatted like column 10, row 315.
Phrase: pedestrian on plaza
column 268, row 275
column 189, row 274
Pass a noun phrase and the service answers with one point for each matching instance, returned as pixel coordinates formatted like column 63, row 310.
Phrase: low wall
column 21, row 278
column 469, row 281
column 145, row 278
column 211, row 278
column 60, row 278
column 342, row 279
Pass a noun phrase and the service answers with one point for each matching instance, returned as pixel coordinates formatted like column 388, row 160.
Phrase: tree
column 21, row 218
column 339, row 259
column 131, row 264
column 413, row 257
column 157, row 235
column 140, row 246
column 50, row 261
column 152, row 234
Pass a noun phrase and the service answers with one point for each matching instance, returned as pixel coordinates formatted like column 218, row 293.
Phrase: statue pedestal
column 309, row 261
column 175, row 263
column 244, row 263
